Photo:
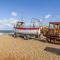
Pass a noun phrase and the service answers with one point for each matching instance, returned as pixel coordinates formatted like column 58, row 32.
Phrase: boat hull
column 28, row 30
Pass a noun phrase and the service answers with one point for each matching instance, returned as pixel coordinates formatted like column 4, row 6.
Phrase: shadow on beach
column 53, row 50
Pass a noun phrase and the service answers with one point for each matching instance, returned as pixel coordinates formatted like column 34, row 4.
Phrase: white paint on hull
column 28, row 31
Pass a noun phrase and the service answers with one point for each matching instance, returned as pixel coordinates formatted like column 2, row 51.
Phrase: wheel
column 15, row 35
column 26, row 37
column 36, row 36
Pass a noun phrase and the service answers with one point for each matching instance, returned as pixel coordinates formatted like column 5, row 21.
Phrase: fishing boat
column 26, row 32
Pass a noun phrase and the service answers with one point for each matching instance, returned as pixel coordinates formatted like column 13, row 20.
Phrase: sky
column 13, row 10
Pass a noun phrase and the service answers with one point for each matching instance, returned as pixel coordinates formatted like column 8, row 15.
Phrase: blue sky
column 45, row 10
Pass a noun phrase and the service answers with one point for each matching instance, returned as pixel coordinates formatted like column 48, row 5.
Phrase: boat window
column 54, row 26
column 51, row 26
column 19, row 25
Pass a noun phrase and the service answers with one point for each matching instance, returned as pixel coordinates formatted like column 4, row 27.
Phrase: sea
column 3, row 32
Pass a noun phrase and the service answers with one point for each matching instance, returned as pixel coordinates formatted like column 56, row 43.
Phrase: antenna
column 21, row 18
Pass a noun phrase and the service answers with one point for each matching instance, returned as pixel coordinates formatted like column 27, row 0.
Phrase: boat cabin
column 20, row 24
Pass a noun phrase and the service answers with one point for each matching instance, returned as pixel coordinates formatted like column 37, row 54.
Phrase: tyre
column 15, row 35
column 36, row 36
column 26, row 37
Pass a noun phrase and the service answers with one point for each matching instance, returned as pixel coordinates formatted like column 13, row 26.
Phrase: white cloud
column 14, row 13
column 47, row 16
column 7, row 23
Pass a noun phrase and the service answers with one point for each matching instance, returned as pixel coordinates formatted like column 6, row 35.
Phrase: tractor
column 52, row 32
